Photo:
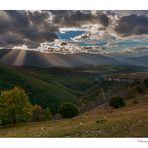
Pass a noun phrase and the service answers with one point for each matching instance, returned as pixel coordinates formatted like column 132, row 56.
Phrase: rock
column 100, row 131
column 139, row 121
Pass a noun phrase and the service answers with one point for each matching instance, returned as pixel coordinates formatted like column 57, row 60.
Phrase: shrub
column 131, row 92
column 40, row 114
column 146, row 82
column 47, row 114
column 68, row 110
column 139, row 88
column 117, row 102
column 37, row 114
column 14, row 106
column 135, row 101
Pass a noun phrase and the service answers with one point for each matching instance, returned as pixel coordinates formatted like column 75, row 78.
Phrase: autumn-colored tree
column 15, row 106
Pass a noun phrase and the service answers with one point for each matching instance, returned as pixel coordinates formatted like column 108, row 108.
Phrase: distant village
column 120, row 79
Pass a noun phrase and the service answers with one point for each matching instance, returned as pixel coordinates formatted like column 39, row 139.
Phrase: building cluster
column 120, row 79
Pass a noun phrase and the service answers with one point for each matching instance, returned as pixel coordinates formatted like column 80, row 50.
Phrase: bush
column 68, row 110
column 14, row 106
column 146, row 82
column 47, row 114
column 117, row 102
column 40, row 114
column 37, row 114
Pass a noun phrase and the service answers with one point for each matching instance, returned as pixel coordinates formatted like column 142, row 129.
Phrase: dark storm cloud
column 22, row 27
column 42, row 20
column 70, row 18
column 8, row 41
column 132, row 25
column 78, row 18
column 102, row 18
column 34, row 27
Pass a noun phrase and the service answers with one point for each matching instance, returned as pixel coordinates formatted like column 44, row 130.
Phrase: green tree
column 47, row 114
column 117, row 102
column 68, row 110
column 15, row 106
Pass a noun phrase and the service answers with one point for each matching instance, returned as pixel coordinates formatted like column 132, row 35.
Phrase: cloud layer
column 79, row 18
column 102, row 29
column 132, row 25
column 34, row 27
column 25, row 27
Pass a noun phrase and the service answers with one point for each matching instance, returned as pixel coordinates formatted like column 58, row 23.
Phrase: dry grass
column 129, row 121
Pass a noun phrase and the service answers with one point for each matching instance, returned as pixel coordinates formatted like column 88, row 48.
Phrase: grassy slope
column 43, row 88
column 126, row 90
column 39, row 91
column 72, row 79
column 129, row 121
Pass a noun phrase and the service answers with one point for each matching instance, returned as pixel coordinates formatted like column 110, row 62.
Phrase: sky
column 114, row 33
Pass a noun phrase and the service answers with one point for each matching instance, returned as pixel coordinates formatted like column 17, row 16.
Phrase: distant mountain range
column 40, row 59
column 30, row 58
column 143, row 61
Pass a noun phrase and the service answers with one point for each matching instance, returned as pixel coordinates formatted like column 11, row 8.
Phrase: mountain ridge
column 39, row 59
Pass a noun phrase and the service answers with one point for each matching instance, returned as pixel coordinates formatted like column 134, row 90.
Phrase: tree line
column 15, row 107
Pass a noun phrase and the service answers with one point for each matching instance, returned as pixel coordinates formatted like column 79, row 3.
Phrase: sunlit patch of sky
column 67, row 35
column 122, row 44
column 109, row 44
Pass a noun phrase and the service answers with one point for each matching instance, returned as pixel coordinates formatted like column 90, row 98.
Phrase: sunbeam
column 10, row 57
column 55, row 59
column 20, row 59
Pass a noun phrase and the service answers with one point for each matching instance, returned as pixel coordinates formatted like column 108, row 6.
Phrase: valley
column 89, row 89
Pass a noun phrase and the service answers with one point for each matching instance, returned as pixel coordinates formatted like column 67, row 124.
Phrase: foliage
column 47, row 114
column 40, row 114
column 131, row 92
column 146, row 82
column 37, row 114
column 117, row 102
column 46, row 87
column 15, row 106
column 68, row 110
